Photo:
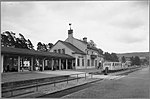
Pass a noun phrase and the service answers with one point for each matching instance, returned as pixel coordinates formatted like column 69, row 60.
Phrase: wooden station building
column 19, row 60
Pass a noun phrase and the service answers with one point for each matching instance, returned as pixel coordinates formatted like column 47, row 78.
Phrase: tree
column 123, row 59
column 23, row 41
column 4, row 40
column 107, row 56
column 18, row 43
column 44, row 47
column 39, row 46
column 30, row 45
column 132, row 60
column 91, row 43
column 50, row 45
column 22, row 37
column 8, row 39
column 100, row 51
column 111, row 57
column 137, row 60
column 144, row 61
column 114, row 57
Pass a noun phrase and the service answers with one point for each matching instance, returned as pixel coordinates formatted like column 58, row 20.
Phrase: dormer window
column 59, row 50
column 55, row 51
column 63, row 51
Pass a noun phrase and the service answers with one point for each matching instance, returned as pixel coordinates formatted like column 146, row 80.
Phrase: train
column 114, row 66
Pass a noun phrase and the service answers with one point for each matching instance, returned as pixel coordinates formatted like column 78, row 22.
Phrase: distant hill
column 140, row 54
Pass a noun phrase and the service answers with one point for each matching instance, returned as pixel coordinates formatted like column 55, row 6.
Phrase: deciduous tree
column 100, row 51
column 111, row 57
column 50, row 45
column 8, row 39
column 114, row 57
column 137, row 60
column 123, row 59
column 30, row 45
column 39, row 46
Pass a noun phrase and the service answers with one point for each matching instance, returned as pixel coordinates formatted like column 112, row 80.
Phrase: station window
column 82, row 62
column 92, row 62
column 78, row 62
column 88, row 62
column 95, row 62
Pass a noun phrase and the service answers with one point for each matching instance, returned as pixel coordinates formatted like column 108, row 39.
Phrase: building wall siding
column 60, row 45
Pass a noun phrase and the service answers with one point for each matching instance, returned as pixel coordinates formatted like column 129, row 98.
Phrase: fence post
column 11, row 93
column 36, row 85
column 67, row 80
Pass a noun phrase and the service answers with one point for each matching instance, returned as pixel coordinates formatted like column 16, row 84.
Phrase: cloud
column 127, row 22
column 16, row 9
column 106, row 23
column 130, row 17
column 130, row 24
column 127, row 36
column 130, row 39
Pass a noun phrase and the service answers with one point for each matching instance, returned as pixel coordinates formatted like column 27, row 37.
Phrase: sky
column 115, row 26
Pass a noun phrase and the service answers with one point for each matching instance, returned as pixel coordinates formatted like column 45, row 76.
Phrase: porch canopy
column 55, row 60
column 27, row 52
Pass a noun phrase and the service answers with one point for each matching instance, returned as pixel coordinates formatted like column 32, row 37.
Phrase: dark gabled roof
column 88, row 47
column 81, row 41
column 19, row 51
column 93, row 48
column 72, row 47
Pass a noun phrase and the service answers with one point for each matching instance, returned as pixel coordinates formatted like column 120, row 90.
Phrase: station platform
column 27, row 75
column 22, row 80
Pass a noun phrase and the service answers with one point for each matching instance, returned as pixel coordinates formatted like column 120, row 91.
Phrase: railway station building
column 86, row 56
column 69, row 54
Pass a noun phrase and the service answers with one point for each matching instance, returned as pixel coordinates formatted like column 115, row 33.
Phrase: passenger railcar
column 113, row 66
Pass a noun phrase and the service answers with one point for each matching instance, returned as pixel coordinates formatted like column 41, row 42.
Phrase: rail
column 37, row 84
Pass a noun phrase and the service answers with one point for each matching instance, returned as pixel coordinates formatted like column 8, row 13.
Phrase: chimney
column 70, row 32
column 85, row 39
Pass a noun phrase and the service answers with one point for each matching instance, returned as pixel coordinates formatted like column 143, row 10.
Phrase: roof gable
column 72, row 47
